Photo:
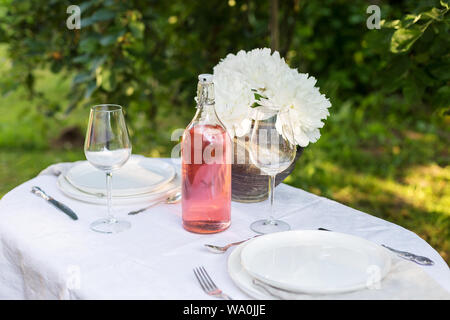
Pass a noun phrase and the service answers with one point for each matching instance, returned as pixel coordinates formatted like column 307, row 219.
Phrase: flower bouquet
column 260, row 78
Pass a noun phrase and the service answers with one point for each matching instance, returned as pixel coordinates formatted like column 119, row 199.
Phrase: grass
column 17, row 166
column 374, row 154
column 420, row 201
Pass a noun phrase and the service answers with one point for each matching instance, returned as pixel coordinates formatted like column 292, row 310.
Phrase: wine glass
column 272, row 150
column 107, row 147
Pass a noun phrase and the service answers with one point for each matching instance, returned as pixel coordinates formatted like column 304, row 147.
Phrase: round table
column 44, row 254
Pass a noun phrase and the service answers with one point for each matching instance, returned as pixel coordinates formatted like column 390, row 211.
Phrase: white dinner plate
column 138, row 176
column 315, row 262
column 74, row 193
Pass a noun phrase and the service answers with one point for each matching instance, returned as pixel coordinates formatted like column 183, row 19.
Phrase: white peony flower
column 237, row 79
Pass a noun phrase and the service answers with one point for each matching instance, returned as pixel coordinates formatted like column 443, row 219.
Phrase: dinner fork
column 208, row 284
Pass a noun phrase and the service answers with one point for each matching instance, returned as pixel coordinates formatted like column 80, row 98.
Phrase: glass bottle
column 206, row 166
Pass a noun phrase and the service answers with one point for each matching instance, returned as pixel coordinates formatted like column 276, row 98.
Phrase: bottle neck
column 205, row 93
column 206, row 111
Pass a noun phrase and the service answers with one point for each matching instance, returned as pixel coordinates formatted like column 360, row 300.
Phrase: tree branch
column 273, row 26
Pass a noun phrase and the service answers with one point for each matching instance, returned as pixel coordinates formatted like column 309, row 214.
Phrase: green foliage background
column 384, row 149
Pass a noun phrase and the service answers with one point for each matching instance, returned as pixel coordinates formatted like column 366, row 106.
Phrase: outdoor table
column 46, row 255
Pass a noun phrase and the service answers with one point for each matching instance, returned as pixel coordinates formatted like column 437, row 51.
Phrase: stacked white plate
column 141, row 179
column 307, row 262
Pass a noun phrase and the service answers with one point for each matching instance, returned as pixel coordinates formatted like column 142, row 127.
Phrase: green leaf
column 97, row 62
column 108, row 40
column 81, row 59
column 91, row 87
column 88, row 44
column 410, row 19
column 137, row 29
column 442, row 97
column 108, row 80
column 435, row 14
column 441, row 71
column 412, row 91
column 98, row 16
column 82, row 77
column 86, row 5
column 394, row 24
column 423, row 78
column 103, row 15
column 403, row 39
column 398, row 67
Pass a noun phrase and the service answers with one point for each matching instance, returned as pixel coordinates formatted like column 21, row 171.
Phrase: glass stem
column 271, row 219
column 109, row 197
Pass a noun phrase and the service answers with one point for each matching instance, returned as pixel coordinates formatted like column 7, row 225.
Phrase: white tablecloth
column 44, row 254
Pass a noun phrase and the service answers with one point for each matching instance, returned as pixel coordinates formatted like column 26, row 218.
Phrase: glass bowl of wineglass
column 107, row 147
column 272, row 150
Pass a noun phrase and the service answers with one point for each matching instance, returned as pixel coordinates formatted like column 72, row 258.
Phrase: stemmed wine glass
column 107, row 147
column 272, row 150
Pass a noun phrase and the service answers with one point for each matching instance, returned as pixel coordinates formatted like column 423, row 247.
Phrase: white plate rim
column 385, row 256
column 233, row 263
column 66, row 188
column 126, row 192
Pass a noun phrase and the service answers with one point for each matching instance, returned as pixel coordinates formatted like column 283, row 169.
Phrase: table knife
column 39, row 192
column 424, row 261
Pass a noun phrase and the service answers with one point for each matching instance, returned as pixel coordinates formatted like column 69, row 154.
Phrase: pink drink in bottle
column 206, row 167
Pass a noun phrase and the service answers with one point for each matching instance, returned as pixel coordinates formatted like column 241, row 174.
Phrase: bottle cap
column 206, row 78
column 205, row 89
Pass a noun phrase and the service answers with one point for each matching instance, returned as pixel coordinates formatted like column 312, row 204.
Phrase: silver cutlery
column 424, row 261
column 208, row 284
column 412, row 257
column 171, row 199
column 39, row 192
column 223, row 249
column 273, row 291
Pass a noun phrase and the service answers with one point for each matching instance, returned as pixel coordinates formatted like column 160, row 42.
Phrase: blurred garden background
column 384, row 149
